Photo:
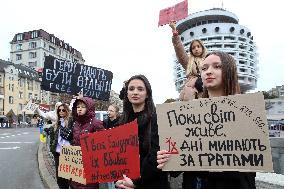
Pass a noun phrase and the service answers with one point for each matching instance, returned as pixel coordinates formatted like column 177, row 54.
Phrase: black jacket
column 53, row 134
column 107, row 123
column 151, row 177
column 218, row 180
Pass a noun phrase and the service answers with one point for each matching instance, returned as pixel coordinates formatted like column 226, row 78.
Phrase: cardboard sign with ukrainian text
column 109, row 154
column 64, row 76
column 216, row 134
column 71, row 164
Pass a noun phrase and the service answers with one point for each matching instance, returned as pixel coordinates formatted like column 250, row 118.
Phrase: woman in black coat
column 138, row 104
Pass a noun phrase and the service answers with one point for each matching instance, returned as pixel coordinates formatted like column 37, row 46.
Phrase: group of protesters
column 208, row 75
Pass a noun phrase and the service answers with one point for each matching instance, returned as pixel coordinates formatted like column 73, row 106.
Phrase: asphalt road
column 18, row 159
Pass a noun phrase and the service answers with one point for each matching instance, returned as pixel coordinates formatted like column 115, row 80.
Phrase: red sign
column 44, row 107
column 174, row 13
column 109, row 154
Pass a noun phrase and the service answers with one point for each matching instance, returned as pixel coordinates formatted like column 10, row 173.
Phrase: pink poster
column 174, row 13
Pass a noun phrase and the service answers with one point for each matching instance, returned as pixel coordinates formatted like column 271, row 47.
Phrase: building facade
column 19, row 84
column 220, row 30
column 277, row 91
column 30, row 48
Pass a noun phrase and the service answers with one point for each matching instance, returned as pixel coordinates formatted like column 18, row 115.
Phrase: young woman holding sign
column 83, row 113
column 190, row 62
column 219, row 76
column 57, row 139
column 138, row 104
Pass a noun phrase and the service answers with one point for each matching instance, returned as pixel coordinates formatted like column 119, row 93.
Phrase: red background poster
column 174, row 13
column 109, row 154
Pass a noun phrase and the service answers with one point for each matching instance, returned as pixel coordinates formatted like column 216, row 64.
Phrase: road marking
column 16, row 142
column 5, row 134
column 12, row 135
column 12, row 148
column 3, row 137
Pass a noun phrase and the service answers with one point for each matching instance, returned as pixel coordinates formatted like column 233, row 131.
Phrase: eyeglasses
column 61, row 110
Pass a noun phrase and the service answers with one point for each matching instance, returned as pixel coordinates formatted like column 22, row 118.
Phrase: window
column 242, row 70
column 19, row 47
column 21, row 106
column 229, row 38
column 30, row 85
column 11, row 100
column 19, row 37
column 21, row 82
column 21, row 95
column 33, row 64
column 32, row 54
column 34, row 34
column 18, row 56
column 32, row 45
column 52, row 49
column 36, row 97
column 30, row 95
column 0, row 79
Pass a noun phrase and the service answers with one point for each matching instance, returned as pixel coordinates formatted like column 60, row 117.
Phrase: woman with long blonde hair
column 59, row 136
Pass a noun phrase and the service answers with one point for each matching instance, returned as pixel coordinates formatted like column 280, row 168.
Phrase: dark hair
column 146, row 116
column 229, row 74
column 149, row 108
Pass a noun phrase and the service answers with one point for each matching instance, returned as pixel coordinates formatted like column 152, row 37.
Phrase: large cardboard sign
column 216, row 134
column 174, row 13
column 109, row 154
column 71, row 164
column 30, row 108
column 63, row 76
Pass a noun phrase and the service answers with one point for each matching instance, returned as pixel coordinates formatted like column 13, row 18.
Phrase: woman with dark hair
column 138, row 104
column 220, row 78
column 63, row 120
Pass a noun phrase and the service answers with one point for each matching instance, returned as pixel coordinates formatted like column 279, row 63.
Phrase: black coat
column 107, row 123
column 53, row 134
column 219, row 180
column 151, row 177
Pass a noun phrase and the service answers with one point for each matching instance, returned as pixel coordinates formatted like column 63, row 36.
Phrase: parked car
column 4, row 122
column 101, row 115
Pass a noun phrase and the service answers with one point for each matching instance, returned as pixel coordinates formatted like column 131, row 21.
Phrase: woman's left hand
column 125, row 183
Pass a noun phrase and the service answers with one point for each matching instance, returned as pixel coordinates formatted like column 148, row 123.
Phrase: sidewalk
column 46, row 168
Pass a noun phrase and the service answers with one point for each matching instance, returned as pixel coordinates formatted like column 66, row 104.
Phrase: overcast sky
column 123, row 37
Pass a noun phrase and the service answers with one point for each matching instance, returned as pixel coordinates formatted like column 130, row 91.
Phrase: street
column 18, row 159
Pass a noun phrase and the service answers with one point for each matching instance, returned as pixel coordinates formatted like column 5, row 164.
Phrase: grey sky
column 123, row 37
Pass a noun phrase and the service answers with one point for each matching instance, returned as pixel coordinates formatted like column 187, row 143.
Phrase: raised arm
column 178, row 46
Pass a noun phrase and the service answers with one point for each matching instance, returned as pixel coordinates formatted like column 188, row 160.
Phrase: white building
column 30, row 48
column 219, row 30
